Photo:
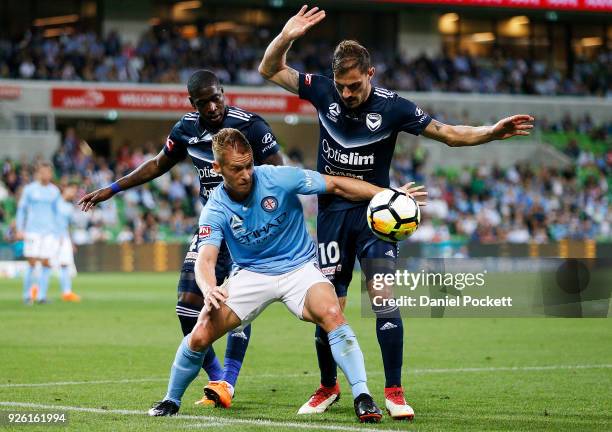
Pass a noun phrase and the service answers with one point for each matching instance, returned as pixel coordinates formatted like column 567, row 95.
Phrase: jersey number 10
column 329, row 254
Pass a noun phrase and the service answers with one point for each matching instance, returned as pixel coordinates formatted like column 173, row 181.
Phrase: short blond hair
column 229, row 138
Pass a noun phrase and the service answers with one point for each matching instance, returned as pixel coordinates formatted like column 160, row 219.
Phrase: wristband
column 115, row 187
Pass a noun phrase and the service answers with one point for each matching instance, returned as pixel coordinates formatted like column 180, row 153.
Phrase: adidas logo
column 390, row 253
column 240, row 335
column 388, row 326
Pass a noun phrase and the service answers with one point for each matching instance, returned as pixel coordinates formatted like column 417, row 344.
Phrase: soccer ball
column 393, row 215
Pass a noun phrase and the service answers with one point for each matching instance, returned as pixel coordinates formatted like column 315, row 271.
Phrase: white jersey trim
column 356, row 143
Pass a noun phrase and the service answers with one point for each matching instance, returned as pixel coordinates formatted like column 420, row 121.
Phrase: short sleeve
column 300, row 181
column 411, row 118
column 210, row 227
column 262, row 141
column 176, row 145
column 314, row 88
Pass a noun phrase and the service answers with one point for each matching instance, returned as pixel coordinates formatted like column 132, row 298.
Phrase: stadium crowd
column 165, row 56
column 520, row 204
column 523, row 203
column 483, row 204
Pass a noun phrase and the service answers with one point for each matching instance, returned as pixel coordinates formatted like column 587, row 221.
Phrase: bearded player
column 359, row 124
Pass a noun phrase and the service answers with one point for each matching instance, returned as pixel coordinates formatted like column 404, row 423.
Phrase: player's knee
column 332, row 317
column 335, row 313
column 200, row 337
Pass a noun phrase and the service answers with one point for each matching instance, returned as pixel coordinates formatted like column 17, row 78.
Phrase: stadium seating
column 164, row 56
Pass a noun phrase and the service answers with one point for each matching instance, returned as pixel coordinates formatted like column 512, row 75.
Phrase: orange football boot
column 220, row 392
column 71, row 297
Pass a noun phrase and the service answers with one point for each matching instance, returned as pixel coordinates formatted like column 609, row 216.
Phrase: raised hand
column 520, row 124
column 299, row 24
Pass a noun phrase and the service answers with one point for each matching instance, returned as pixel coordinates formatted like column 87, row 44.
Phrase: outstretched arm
column 147, row 171
column 359, row 190
column 460, row 136
column 273, row 66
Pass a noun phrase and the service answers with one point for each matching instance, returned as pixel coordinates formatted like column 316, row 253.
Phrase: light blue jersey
column 266, row 233
column 37, row 209
column 64, row 217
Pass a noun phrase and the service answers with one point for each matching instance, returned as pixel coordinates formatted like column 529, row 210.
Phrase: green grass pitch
column 107, row 359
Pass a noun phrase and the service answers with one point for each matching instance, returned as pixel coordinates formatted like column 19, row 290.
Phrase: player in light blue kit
column 36, row 219
column 64, row 258
column 257, row 212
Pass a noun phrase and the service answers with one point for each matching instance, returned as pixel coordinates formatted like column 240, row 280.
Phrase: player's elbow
column 265, row 71
column 262, row 71
column 450, row 135
column 335, row 190
column 453, row 140
column 332, row 186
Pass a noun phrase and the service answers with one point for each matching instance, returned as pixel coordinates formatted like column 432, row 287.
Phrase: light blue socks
column 348, row 356
column 28, row 277
column 65, row 279
column 185, row 369
column 43, row 282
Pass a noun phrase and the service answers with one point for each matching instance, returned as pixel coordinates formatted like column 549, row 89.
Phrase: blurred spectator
column 519, row 205
column 163, row 55
column 486, row 204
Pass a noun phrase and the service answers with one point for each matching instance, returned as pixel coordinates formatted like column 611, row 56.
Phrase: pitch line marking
column 248, row 377
column 511, row 368
column 223, row 421
column 216, row 420
column 63, row 383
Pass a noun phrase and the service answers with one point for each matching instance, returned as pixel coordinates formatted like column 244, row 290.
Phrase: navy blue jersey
column 190, row 137
column 358, row 143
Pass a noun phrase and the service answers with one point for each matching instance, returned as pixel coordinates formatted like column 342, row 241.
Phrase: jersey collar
column 357, row 112
column 202, row 129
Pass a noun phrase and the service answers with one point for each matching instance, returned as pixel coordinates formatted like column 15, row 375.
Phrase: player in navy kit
column 359, row 124
column 192, row 136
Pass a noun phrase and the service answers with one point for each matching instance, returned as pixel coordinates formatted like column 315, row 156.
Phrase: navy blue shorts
column 187, row 281
column 344, row 235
